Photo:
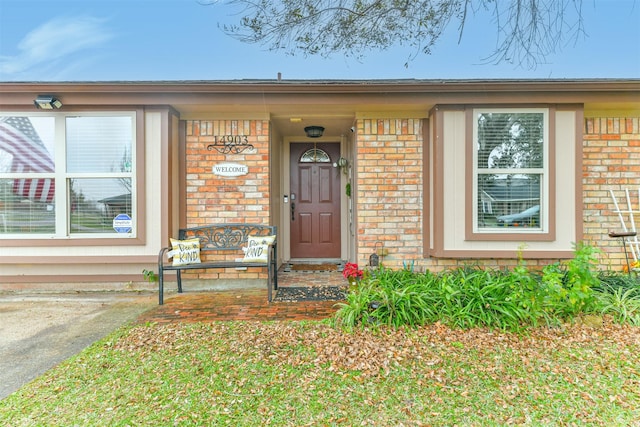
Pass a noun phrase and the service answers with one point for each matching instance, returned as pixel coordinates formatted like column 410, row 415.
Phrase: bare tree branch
column 527, row 31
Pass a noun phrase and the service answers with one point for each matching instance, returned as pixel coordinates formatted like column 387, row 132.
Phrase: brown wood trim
column 182, row 174
column 66, row 242
column 165, row 174
column 94, row 280
column 438, row 182
column 511, row 237
column 482, row 86
column 141, row 194
column 426, row 190
column 553, row 166
column 469, row 175
column 74, row 260
column 569, row 107
column 354, row 187
column 503, row 254
column 579, row 203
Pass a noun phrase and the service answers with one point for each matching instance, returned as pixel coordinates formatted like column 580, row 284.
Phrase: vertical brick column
column 217, row 199
column 389, row 189
column 611, row 162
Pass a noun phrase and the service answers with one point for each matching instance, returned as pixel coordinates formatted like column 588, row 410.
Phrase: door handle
column 293, row 211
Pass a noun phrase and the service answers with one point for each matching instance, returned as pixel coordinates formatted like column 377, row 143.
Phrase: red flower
column 351, row 270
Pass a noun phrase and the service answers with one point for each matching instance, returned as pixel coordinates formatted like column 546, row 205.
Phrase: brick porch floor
column 247, row 304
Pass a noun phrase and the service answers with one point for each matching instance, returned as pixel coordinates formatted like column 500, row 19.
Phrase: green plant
column 484, row 297
column 618, row 295
column 471, row 296
column 567, row 288
column 621, row 304
column 405, row 300
column 582, row 277
column 609, row 281
column 356, row 308
column 150, row 276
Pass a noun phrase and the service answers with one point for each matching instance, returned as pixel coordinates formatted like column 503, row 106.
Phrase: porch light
column 47, row 102
column 314, row 131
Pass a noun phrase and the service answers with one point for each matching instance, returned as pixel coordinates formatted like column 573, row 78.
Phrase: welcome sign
column 230, row 169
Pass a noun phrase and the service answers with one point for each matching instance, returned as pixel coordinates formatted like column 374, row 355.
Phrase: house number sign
column 226, row 144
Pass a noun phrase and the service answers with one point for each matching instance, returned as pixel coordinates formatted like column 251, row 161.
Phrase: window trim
column 140, row 185
column 548, row 190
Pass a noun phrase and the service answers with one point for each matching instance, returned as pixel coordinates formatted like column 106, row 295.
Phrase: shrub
column 618, row 295
column 468, row 296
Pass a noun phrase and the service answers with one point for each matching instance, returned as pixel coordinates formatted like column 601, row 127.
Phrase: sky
column 160, row 40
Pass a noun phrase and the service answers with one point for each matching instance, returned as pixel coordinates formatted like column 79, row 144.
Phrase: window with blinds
column 510, row 169
column 99, row 172
column 27, row 174
column 65, row 175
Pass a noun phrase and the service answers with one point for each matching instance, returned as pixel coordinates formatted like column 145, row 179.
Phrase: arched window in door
column 315, row 155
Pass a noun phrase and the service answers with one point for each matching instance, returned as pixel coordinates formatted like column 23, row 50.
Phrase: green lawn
column 310, row 373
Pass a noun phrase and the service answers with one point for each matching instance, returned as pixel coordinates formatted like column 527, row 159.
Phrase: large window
column 64, row 175
column 510, row 170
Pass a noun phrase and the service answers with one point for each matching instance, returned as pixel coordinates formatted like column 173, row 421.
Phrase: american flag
column 20, row 139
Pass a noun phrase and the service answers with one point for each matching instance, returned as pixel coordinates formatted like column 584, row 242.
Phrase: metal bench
column 225, row 243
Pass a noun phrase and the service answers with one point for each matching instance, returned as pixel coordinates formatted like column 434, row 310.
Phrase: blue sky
column 107, row 40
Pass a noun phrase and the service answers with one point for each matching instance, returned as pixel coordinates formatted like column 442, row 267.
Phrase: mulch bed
column 310, row 293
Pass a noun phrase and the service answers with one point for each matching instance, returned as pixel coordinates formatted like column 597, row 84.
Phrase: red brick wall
column 389, row 196
column 216, row 199
column 611, row 162
column 389, row 189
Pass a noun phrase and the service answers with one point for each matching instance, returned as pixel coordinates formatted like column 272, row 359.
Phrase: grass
column 311, row 373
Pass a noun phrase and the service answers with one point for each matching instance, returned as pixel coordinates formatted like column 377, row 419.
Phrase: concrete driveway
column 40, row 330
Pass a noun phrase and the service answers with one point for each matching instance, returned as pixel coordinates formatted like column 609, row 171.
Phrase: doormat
column 312, row 267
column 310, row 293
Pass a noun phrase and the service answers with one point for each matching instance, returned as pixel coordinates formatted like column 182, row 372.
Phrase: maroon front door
column 314, row 201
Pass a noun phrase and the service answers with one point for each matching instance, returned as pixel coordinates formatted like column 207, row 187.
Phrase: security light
column 47, row 102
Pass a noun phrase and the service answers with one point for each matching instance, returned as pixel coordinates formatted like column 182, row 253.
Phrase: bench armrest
column 161, row 256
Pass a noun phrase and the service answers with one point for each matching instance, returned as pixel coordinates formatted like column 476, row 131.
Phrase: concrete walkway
column 40, row 330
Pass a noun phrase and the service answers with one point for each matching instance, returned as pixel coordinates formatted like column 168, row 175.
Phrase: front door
column 314, row 201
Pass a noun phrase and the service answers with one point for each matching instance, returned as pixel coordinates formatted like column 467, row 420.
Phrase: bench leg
column 179, row 282
column 269, row 284
column 160, row 287
column 275, row 275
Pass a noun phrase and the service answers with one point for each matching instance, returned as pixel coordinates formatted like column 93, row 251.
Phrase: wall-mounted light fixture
column 314, row 131
column 47, row 102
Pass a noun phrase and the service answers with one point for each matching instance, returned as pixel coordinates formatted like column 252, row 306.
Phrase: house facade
column 427, row 174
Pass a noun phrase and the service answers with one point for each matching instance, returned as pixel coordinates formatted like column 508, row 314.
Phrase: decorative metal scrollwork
column 230, row 236
column 226, row 144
